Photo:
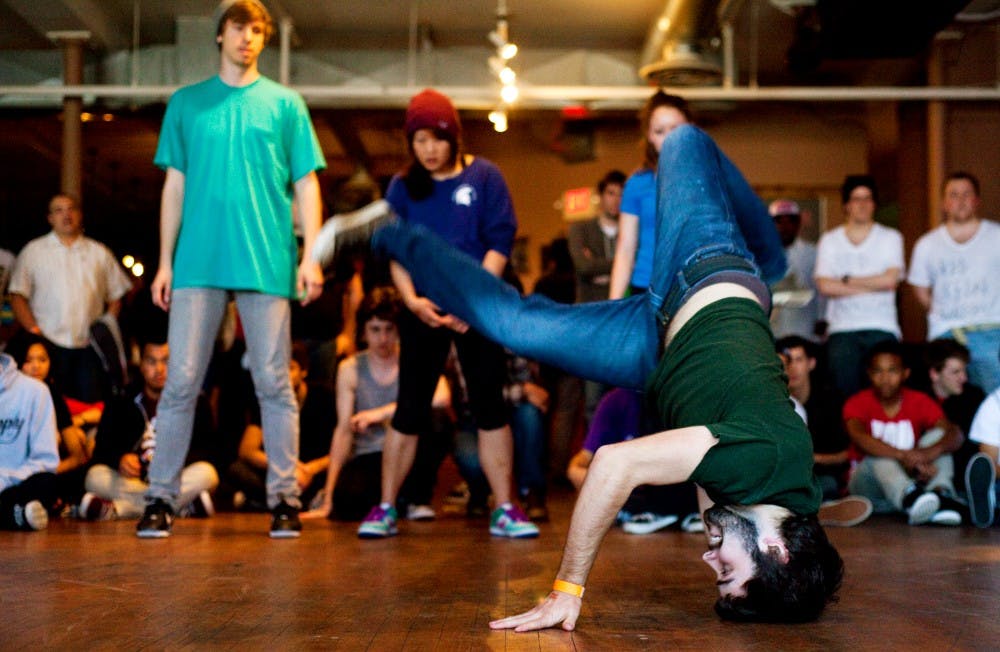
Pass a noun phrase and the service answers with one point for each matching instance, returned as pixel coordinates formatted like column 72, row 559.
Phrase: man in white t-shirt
column 981, row 484
column 859, row 265
column 955, row 275
column 62, row 282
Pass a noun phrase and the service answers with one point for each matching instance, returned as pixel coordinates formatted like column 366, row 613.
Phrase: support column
column 71, row 179
column 936, row 115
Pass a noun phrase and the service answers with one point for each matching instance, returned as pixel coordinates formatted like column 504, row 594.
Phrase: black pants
column 41, row 487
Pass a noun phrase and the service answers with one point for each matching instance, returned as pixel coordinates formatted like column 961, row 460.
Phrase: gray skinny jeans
column 195, row 317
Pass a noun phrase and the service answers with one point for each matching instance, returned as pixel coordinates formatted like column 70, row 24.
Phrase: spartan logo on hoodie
column 10, row 429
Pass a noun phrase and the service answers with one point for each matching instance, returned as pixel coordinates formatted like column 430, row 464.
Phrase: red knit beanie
column 429, row 109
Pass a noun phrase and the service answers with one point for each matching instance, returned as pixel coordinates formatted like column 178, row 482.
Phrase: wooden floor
column 221, row 583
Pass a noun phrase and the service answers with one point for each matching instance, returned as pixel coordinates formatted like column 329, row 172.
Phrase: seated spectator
column 529, row 401
column 317, row 418
column 619, row 417
column 75, row 447
column 981, row 486
column 947, row 379
column 126, row 442
column 367, row 384
column 28, row 450
column 906, row 440
column 822, row 405
column 820, row 409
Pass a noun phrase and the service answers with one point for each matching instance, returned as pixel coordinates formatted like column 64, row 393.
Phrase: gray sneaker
column 348, row 230
column 980, row 478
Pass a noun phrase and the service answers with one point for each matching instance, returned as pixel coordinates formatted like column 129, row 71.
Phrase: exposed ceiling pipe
column 682, row 46
column 537, row 97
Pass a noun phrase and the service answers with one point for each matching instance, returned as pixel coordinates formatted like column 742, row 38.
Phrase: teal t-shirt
column 721, row 371
column 241, row 151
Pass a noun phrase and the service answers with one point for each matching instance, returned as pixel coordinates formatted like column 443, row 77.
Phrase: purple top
column 617, row 418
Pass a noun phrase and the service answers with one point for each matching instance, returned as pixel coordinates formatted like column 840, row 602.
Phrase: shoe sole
column 648, row 528
column 840, row 513
column 923, row 509
column 152, row 534
column 980, row 477
column 946, row 518
column 498, row 532
column 36, row 516
column 376, row 535
column 335, row 233
column 285, row 534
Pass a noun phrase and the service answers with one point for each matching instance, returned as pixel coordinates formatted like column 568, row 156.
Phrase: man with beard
column 699, row 343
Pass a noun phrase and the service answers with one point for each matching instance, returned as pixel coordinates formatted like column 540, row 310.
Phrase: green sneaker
column 379, row 524
column 512, row 523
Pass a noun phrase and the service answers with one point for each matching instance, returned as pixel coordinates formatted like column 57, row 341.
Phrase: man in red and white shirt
column 906, row 442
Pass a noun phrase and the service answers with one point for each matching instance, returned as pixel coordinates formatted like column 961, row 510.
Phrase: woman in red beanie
column 463, row 199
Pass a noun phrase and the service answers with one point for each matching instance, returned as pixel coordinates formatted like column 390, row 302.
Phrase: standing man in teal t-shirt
column 239, row 150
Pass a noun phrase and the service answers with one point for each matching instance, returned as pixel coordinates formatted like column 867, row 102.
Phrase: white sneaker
column 648, row 522
column 346, row 229
column 692, row 523
column 420, row 513
column 923, row 508
column 31, row 516
column 946, row 517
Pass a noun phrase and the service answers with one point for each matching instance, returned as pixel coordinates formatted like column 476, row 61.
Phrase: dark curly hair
column 791, row 592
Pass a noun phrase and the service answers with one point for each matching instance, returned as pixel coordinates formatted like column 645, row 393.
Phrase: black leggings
column 41, row 487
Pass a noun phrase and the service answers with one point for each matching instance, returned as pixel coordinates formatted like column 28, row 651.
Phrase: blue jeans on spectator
column 710, row 227
column 195, row 316
column 527, row 423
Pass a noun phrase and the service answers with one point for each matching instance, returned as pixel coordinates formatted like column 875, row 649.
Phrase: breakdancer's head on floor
column 771, row 565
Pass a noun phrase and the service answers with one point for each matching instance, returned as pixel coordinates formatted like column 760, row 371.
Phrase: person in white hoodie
column 28, row 450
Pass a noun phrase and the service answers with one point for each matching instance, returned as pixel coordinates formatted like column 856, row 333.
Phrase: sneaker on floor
column 31, row 516
column 156, row 520
column 512, row 523
column 285, row 523
column 379, row 524
column 692, row 523
column 648, row 522
column 980, row 478
column 920, row 506
column 420, row 513
column 94, row 508
column 845, row 512
column 949, row 517
column 350, row 229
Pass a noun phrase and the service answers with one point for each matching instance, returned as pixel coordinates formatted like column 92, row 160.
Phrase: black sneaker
column 285, row 523
column 349, row 230
column 156, row 521
column 980, row 476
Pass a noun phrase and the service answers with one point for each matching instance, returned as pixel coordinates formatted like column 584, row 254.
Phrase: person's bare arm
column 426, row 310
column 171, row 202
column 664, row 458
column 830, row 458
column 625, row 248
column 877, row 448
column 576, row 471
column 993, row 452
column 839, row 287
column 23, row 313
column 308, row 208
column 923, row 296
column 494, row 263
column 342, row 441
column 251, row 448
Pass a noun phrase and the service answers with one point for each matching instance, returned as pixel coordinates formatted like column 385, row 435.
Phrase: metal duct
column 682, row 48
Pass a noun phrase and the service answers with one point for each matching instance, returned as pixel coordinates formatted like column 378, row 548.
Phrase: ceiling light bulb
column 509, row 94
column 507, row 76
column 500, row 124
column 508, row 51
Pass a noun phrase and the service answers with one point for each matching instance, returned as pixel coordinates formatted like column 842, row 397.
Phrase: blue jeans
column 710, row 227
column 527, row 423
column 194, row 319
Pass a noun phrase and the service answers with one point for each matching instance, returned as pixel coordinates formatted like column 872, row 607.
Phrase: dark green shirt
column 721, row 371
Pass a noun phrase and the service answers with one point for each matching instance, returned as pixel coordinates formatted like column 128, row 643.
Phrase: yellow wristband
column 568, row 587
